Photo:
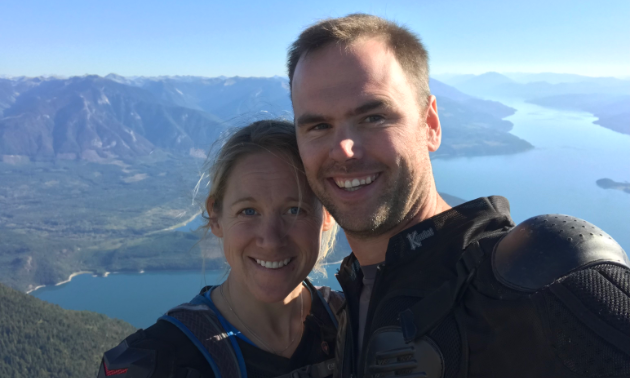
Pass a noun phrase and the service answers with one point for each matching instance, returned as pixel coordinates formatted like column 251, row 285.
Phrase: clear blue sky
column 250, row 38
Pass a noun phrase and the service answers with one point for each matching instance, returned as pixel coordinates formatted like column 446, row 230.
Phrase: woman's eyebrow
column 244, row 199
column 252, row 199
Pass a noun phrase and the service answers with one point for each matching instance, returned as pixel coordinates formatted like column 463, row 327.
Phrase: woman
column 266, row 319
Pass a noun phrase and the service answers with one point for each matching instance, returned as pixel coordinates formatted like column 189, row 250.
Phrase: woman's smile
column 277, row 264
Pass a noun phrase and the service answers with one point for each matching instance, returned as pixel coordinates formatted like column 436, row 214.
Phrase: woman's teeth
column 354, row 184
column 273, row 264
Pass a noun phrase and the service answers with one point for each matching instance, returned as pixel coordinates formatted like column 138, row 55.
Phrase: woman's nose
column 272, row 233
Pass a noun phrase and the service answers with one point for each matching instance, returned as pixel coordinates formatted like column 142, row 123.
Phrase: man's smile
column 354, row 183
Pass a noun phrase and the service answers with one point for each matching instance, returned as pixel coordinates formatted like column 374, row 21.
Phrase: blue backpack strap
column 199, row 321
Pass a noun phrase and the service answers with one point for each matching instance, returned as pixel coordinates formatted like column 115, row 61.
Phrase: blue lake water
column 558, row 176
column 140, row 298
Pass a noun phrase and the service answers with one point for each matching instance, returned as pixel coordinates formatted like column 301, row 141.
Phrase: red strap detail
column 113, row 372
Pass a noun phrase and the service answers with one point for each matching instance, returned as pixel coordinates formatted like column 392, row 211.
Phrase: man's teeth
column 353, row 184
column 273, row 264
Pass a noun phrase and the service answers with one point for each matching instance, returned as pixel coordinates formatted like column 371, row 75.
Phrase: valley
column 95, row 171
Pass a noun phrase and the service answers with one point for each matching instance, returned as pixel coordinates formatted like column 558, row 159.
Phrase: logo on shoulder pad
column 415, row 238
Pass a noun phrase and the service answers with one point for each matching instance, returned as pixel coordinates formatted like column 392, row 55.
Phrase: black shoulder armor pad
column 127, row 361
column 544, row 248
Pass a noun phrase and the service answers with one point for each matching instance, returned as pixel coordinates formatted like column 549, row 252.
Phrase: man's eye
column 248, row 211
column 321, row 126
column 295, row 210
column 374, row 118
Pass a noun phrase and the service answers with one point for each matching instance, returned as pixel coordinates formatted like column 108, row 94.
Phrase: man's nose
column 272, row 233
column 346, row 146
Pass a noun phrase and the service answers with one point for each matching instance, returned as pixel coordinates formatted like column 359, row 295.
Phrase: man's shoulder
column 160, row 351
column 572, row 284
column 545, row 248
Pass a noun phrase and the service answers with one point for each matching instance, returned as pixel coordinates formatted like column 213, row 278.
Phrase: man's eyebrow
column 370, row 106
column 309, row 119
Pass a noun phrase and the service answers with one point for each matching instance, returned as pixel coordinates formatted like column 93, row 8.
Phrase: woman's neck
column 275, row 327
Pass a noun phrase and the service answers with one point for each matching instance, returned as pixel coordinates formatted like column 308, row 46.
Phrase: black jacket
column 542, row 301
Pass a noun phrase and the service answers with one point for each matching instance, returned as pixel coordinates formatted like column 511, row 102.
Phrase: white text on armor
column 416, row 239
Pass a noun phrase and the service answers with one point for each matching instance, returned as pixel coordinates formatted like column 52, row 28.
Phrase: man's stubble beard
column 392, row 207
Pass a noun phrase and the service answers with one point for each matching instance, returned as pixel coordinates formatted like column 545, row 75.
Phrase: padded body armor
column 467, row 294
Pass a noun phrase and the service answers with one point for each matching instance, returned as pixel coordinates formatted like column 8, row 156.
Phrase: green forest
column 39, row 339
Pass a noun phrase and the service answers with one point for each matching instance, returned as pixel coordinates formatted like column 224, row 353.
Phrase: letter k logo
column 414, row 240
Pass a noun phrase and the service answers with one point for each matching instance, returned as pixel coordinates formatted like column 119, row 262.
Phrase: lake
column 558, row 176
column 140, row 298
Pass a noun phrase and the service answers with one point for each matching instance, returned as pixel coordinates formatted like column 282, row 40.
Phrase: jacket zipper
column 349, row 344
column 368, row 320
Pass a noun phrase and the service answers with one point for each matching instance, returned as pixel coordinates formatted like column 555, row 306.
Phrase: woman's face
column 271, row 236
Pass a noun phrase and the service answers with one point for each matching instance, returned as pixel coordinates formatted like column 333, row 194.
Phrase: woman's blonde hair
column 274, row 136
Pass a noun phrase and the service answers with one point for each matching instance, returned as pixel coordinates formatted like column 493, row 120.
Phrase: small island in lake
column 607, row 183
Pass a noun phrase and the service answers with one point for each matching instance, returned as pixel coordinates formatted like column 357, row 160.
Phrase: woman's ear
column 213, row 219
column 329, row 221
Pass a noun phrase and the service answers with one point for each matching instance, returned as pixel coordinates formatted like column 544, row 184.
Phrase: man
column 434, row 291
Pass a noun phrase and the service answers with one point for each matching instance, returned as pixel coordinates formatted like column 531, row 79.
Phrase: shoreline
column 35, row 288
column 69, row 279
column 142, row 271
column 72, row 276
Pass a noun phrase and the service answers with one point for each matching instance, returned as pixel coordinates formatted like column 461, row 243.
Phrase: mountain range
column 494, row 84
column 99, row 118
column 607, row 98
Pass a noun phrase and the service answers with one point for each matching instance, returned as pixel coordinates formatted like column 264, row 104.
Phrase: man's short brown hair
column 407, row 48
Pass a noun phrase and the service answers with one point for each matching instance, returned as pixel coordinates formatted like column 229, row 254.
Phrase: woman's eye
column 295, row 210
column 248, row 211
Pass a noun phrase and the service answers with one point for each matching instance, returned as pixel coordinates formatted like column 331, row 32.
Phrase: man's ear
column 213, row 219
column 434, row 129
column 329, row 221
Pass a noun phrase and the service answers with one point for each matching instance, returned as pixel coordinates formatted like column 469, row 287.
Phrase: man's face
column 363, row 136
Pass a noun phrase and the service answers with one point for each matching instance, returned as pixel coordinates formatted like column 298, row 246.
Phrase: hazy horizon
column 250, row 39
column 433, row 75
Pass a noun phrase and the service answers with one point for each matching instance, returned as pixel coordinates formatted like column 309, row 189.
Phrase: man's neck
column 371, row 251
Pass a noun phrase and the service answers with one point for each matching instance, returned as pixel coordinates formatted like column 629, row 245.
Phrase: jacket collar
column 460, row 225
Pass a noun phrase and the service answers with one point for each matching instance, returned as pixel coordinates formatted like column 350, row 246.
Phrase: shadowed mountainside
column 39, row 339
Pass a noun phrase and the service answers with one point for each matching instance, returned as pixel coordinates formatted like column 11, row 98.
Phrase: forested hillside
column 39, row 339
